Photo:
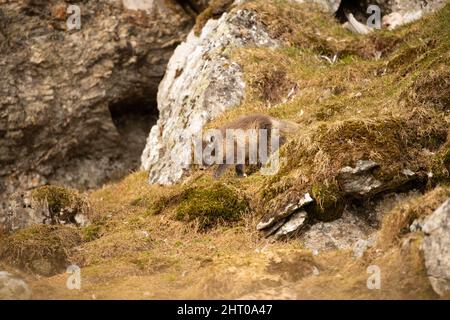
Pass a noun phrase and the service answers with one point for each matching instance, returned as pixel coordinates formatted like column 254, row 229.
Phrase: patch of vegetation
column 432, row 88
column 211, row 205
column 214, row 11
column 91, row 232
column 295, row 267
column 329, row 204
column 61, row 200
column 396, row 224
column 446, row 158
column 41, row 249
column 309, row 26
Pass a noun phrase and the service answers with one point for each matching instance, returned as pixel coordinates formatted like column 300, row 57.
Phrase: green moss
column 60, row 198
column 440, row 168
column 446, row 158
column 91, row 232
column 329, row 204
column 210, row 205
column 41, row 249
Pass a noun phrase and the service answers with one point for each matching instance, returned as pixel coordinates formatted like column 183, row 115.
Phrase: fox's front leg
column 220, row 170
column 240, row 170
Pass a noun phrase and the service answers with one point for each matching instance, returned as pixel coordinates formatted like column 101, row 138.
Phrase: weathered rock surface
column 292, row 226
column 26, row 210
column 359, row 181
column 13, row 288
column 76, row 106
column 275, row 216
column 436, row 248
column 343, row 233
column 200, row 83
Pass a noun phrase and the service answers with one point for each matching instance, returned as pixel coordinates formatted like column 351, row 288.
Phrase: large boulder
column 201, row 82
column 436, row 248
column 76, row 106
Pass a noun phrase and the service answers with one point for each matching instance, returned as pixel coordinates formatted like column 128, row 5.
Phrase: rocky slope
column 76, row 105
column 363, row 184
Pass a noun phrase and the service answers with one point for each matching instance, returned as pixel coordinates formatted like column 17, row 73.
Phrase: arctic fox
column 236, row 150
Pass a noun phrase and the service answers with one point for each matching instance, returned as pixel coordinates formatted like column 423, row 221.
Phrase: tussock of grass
column 329, row 205
column 42, row 249
column 211, row 205
column 309, row 26
column 396, row 224
column 61, row 200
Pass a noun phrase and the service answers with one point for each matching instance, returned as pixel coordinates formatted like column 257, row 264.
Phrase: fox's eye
column 211, row 139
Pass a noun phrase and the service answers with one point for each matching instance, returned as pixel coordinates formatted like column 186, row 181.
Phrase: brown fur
column 257, row 122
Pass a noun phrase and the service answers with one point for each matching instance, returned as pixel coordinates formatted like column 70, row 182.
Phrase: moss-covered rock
column 58, row 198
column 41, row 249
column 211, row 205
column 63, row 203
column 329, row 204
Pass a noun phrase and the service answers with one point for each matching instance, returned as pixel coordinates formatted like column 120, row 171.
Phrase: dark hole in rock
column 133, row 118
column 359, row 9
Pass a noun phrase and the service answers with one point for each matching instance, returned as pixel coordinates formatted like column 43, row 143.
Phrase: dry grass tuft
column 42, row 249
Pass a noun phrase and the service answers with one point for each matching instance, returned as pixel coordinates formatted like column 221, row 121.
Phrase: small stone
column 361, row 246
column 316, row 271
column 408, row 173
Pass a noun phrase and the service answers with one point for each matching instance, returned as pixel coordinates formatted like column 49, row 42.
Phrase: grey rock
column 293, row 226
column 355, row 26
column 359, row 181
column 200, row 83
column 436, row 248
column 273, row 218
column 341, row 234
column 414, row 5
column 361, row 246
column 13, row 288
column 20, row 213
column 271, row 230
